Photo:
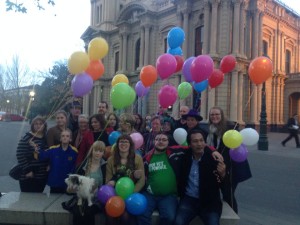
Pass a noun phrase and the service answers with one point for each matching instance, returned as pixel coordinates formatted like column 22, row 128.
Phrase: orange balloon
column 95, row 69
column 260, row 69
column 148, row 75
column 115, row 206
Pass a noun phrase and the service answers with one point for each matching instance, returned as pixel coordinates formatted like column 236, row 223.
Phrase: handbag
column 70, row 204
column 16, row 172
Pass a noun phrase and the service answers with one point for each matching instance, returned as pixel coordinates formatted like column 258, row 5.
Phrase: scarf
column 213, row 139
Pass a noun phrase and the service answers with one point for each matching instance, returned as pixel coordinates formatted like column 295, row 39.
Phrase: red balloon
column 216, row 78
column 180, row 61
column 115, row 206
column 227, row 63
column 95, row 69
column 260, row 69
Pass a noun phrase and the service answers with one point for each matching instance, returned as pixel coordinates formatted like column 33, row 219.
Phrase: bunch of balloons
column 87, row 67
column 121, row 197
column 238, row 142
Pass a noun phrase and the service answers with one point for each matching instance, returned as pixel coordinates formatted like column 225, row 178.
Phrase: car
column 11, row 117
column 2, row 115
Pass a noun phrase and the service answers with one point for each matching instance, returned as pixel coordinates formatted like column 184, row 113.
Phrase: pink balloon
column 239, row 154
column 167, row 96
column 201, row 68
column 137, row 139
column 140, row 89
column 81, row 84
column 166, row 65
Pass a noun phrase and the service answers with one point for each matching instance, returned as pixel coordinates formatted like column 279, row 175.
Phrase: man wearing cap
column 75, row 111
column 192, row 121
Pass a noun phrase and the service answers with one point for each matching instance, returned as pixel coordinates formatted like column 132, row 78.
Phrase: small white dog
column 83, row 186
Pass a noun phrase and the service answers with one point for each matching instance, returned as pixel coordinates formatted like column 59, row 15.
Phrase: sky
column 40, row 38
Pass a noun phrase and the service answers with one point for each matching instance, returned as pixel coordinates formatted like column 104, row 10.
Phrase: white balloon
column 180, row 135
column 250, row 136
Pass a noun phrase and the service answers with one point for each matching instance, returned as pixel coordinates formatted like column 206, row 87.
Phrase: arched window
column 199, row 40
column 137, row 54
column 265, row 47
column 287, row 61
column 116, row 61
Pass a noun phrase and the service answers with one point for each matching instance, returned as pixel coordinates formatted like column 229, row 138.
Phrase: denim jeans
column 189, row 208
column 166, row 206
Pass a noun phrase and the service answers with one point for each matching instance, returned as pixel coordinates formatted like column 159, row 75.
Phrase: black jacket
column 209, row 188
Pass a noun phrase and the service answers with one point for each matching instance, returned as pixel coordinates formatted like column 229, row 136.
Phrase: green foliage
column 54, row 93
column 21, row 7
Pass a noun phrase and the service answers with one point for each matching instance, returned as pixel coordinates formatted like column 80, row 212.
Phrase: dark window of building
column 287, row 61
column 165, row 44
column 97, row 14
column 137, row 54
column 116, row 61
column 265, row 48
column 198, row 40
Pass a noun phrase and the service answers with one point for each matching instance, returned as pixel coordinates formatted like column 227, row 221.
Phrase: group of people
column 162, row 170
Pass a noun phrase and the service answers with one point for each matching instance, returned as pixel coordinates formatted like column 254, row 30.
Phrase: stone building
column 136, row 31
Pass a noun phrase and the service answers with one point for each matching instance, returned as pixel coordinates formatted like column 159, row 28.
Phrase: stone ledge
column 45, row 209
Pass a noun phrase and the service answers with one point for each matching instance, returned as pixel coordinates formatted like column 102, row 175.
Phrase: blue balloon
column 112, row 138
column 136, row 204
column 175, row 37
column 175, row 51
column 201, row 86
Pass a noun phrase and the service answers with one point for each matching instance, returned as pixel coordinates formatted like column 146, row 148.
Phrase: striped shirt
column 26, row 158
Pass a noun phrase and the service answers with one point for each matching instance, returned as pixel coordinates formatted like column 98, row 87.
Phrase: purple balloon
column 81, row 84
column 140, row 89
column 202, row 68
column 166, row 65
column 186, row 69
column 239, row 154
column 105, row 192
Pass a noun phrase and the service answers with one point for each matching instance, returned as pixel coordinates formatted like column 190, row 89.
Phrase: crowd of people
column 181, row 182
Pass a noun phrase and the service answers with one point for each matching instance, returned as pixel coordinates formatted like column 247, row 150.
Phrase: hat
column 192, row 113
column 75, row 104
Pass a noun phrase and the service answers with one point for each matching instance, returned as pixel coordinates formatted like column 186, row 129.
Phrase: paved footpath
column 272, row 195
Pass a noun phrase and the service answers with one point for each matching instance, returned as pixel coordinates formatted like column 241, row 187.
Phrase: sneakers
column 283, row 144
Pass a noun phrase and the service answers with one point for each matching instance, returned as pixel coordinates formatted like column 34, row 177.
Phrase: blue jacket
column 62, row 163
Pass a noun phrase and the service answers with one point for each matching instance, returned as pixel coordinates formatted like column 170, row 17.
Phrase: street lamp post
column 263, row 143
column 32, row 94
column 7, row 107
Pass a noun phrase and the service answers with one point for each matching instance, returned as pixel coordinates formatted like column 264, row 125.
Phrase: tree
column 19, row 6
column 55, row 91
column 16, row 75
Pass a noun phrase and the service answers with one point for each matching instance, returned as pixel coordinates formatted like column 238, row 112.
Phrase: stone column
column 224, row 24
column 213, row 30
column 283, row 53
column 120, row 53
column 240, row 96
column 211, row 98
column 281, row 83
column 234, row 96
column 254, row 106
column 206, row 26
column 142, row 47
column 124, row 52
column 85, row 108
column 236, row 27
column 147, row 44
column 242, row 30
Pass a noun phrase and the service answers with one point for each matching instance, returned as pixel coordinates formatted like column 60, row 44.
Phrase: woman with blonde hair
column 94, row 167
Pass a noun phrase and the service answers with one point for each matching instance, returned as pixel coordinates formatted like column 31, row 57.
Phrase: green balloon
column 184, row 90
column 124, row 187
column 122, row 95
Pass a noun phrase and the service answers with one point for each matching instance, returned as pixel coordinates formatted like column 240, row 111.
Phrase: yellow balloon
column 98, row 48
column 232, row 139
column 78, row 62
column 119, row 78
